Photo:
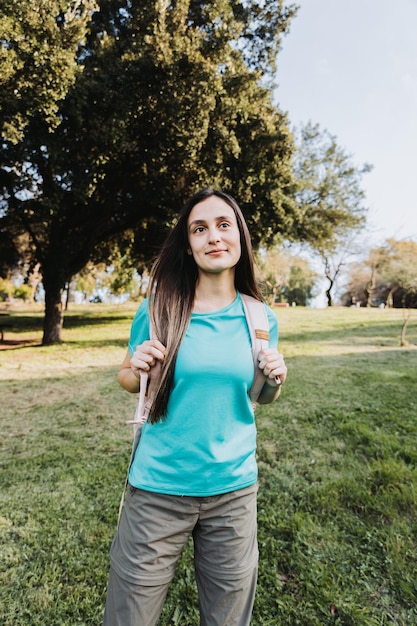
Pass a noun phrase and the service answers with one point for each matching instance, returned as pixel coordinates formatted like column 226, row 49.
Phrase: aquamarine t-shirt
column 206, row 444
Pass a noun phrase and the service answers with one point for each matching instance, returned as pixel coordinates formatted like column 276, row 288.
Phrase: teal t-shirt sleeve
column 273, row 328
column 139, row 331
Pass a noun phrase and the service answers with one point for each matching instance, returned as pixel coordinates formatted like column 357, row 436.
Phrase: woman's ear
column 189, row 251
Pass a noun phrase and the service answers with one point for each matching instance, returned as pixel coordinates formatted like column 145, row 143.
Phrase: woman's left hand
column 272, row 364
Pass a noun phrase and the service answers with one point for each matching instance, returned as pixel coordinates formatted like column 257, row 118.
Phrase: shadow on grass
column 18, row 344
column 35, row 322
column 97, row 343
column 21, row 344
column 90, row 319
column 19, row 324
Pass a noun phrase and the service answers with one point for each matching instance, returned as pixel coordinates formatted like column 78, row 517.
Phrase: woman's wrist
column 129, row 380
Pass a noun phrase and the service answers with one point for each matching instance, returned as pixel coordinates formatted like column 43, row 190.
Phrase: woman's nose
column 214, row 234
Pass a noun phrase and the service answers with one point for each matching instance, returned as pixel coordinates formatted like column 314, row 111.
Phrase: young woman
column 194, row 471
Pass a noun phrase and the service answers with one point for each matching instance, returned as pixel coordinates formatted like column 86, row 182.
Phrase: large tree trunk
column 52, row 324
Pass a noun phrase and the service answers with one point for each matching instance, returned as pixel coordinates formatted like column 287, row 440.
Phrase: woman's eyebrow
column 195, row 223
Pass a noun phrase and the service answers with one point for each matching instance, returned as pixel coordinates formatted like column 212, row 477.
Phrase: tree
column 274, row 272
column 372, row 288
column 160, row 98
column 302, row 282
column 123, row 278
column 336, row 258
column 89, row 279
column 399, row 272
column 330, row 198
column 365, row 284
column 389, row 277
column 285, row 277
column 358, row 278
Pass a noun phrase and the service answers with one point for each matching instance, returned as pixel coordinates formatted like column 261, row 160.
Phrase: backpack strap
column 146, row 391
column 258, row 324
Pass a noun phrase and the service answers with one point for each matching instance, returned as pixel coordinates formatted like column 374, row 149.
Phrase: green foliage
column 8, row 291
column 337, row 460
column 23, row 292
column 331, row 200
column 38, row 60
column 117, row 279
column 300, row 288
column 87, row 280
column 123, row 280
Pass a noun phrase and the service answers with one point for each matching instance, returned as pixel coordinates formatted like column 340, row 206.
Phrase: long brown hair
column 172, row 286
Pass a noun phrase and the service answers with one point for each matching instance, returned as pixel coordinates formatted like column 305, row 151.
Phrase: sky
column 351, row 67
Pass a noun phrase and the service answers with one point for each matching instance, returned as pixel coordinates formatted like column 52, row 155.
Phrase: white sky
column 351, row 67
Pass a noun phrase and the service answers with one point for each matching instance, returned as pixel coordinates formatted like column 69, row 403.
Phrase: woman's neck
column 213, row 295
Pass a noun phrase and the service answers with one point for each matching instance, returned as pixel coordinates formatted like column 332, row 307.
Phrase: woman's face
column 213, row 236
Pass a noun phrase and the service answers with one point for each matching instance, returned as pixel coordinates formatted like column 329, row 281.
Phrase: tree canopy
column 329, row 191
column 157, row 99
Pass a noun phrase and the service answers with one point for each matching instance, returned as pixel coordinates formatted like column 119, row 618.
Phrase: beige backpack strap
column 258, row 324
column 146, row 392
column 143, row 408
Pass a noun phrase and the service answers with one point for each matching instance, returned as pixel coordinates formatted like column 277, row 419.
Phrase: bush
column 23, row 292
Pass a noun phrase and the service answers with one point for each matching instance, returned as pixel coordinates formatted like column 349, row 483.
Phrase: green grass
column 337, row 458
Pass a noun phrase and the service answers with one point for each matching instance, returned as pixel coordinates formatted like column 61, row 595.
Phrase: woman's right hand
column 142, row 360
column 146, row 355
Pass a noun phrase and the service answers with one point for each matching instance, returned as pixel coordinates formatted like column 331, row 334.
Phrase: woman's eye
column 199, row 229
column 224, row 225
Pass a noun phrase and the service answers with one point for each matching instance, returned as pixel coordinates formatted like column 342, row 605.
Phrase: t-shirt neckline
column 222, row 310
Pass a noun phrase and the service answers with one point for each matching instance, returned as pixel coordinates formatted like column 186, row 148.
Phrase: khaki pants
column 152, row 533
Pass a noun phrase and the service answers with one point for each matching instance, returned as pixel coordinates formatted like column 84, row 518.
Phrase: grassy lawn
column 337, row 459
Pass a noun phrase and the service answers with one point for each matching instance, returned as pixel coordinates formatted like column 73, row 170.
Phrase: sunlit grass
column 337, row 458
